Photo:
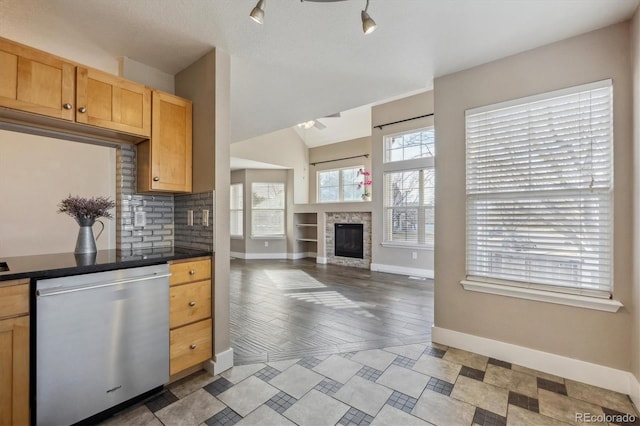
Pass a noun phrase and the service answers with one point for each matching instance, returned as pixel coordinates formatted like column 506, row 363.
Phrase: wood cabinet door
column 190, row 345
column 36, row 82
column 111, row 102
column 171, row 144
column 14, row 371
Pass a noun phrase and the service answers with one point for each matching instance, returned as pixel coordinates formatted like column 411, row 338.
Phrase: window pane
column 268, row 203
column 340, row 185
column 236, row 222
column 329, row 178
column 267, row 195
column 352, row 193
column 404, row 224
column 268, row 222
column 539, row 172
column 329, row 194
column 409, row 146
column 236, row 196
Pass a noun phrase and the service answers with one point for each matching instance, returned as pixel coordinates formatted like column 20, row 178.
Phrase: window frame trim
column 340, row 185
column 253, row 235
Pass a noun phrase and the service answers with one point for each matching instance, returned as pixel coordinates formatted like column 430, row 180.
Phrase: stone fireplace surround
column 348, row 217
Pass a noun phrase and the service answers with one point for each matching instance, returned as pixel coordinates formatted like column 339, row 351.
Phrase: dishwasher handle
column 56, row 291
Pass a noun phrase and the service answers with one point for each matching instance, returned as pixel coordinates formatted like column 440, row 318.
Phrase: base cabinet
column 14, row 354
column 190, row 319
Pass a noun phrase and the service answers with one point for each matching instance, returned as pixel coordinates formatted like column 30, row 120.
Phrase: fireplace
column 349, row 241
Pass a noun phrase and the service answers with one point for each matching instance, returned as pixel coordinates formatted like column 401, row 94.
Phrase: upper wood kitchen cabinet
column 107, row 101
column 36, row 82
column 164, row 161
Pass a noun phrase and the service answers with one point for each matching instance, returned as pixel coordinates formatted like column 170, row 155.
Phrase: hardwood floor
column 283, row 309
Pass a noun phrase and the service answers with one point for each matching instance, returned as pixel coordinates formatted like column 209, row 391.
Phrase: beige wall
column 588, row 335
column 635, row 331
column 331, row 152
column 283, row 148
column 36, row 173
column 385, row 257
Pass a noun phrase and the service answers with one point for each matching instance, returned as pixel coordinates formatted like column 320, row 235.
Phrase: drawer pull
column 192, row 347
column 67, row 106
column 82, row 110
column 192, row 272
column 192, row 304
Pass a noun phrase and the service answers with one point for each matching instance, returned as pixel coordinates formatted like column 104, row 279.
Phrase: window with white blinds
column 236, row 210
column 408, row 206
column 539, row 191
column 267, row 209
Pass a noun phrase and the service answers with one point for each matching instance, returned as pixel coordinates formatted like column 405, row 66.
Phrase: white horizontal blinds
column 236, row 209
column 408, row 206
column 539, row 200
column 267, row 209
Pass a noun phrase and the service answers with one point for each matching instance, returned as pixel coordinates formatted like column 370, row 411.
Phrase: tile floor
column 416, row 384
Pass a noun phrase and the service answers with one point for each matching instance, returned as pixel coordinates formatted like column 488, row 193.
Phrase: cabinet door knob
column 82, row 110
column 192, row 272
column 192, row 304
column 67, row 106
column 156, row 178
column 193, row 347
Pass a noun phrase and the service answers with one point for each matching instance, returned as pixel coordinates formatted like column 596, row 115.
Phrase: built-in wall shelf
column 306, row 233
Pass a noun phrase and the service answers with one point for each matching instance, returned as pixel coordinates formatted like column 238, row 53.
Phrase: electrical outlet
column 414, row 255
column 266, row 243
column 189, row 217
column 140, row 219
column 205, row 217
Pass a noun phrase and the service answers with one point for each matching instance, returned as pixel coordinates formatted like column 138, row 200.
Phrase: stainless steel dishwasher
column 101, row 339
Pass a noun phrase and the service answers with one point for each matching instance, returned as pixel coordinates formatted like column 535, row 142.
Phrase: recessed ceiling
column 309, row 59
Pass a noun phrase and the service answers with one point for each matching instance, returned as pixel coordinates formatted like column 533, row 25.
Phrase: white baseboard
column 223, row 361
column 256, row 256
column 402, row 270
column 296, row 256
column 322, row 260
column 574, row 369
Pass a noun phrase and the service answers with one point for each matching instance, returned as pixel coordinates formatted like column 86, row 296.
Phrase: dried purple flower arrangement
column 83, row 209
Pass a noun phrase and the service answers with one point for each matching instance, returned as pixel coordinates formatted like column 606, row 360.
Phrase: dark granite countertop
column 63, row 264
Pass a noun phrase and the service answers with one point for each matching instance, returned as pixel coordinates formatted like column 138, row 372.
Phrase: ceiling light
column 307, row 124
column 368, row 24
column 257, row 14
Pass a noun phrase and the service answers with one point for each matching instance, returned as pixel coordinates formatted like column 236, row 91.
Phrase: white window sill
column 237, row 237
column 268, row 237
column 408, row 246
column 586, row 302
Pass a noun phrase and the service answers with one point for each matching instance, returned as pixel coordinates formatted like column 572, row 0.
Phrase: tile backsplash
column 159, row 228
column 166, row 215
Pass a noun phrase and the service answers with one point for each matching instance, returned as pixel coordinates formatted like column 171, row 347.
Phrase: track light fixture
column 257, row 14
column 368, row 24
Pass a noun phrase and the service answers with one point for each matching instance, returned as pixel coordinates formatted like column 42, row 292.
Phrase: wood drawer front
column 187, row 272
column 189, row 303
column 190, row 345
column 14, row 300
